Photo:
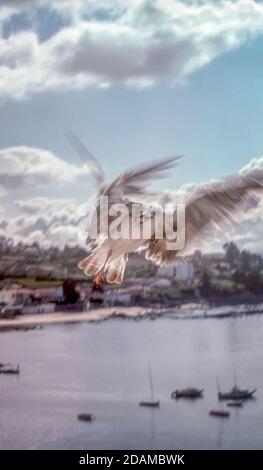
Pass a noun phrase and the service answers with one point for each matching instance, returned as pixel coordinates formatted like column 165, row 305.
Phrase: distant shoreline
column 188, row 311
column 96, row 315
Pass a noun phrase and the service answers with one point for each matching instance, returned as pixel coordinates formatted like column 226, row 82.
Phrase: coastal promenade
column 95, row 315
column 186, row 312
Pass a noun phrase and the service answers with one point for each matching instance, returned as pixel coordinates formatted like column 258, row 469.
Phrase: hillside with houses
column 36, row 280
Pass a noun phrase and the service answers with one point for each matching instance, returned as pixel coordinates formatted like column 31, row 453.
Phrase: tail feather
column 116, row 269
column 94, row 262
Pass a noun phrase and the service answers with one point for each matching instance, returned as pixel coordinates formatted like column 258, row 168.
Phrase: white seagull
column 210, row 206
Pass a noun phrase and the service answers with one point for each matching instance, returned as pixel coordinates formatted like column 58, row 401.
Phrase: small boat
column 150, row 403
column 190, row 392
column 236, row 393
column 236, row 403
column 9, row 369
column 86, row 417
column 220, row 413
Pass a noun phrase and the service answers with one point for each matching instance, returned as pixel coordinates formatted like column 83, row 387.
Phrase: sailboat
column 151, row 403
column 236, row 393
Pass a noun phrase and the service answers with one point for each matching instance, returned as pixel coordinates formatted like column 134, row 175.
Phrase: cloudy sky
column 135, row 80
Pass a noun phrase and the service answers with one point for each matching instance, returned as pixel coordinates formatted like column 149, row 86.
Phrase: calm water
column 103, row 369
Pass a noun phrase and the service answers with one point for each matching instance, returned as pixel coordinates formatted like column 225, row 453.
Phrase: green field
column 34, row 283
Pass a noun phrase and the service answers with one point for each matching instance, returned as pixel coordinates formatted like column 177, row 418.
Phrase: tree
column 70, row 293
column 205, row 285
column 231, row 253
column 254, row 282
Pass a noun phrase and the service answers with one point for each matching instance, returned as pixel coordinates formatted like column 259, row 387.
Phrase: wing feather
column 88, row 158
column 212, row 206
column 135, row 181
column 220, row 204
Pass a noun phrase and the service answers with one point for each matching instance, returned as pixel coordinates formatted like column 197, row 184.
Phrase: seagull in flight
column 209, row 207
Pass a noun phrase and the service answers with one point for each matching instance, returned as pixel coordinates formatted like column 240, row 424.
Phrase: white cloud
column 139, row 44
column 32, row 166
column 41, row 218
column 48, row 221
column 252, row 167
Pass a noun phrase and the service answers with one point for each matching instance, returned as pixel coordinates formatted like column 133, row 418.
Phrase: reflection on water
column 102, row 369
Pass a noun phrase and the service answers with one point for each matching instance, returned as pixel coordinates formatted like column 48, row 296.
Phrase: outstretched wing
column 219, row 204
column 212, row 206
column 134, row 182
column 87, row 157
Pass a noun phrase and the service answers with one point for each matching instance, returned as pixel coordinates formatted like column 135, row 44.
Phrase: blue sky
column 215, row 120
column 209, row 107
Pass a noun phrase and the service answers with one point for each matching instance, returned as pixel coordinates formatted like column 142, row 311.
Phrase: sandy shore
column 89, row 316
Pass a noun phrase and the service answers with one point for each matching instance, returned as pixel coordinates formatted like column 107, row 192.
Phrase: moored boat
column 237, row 394
column 150, row 403
column 190, row 392
column 86, row 417
column 220, row 413
column 9, row 369
column 236, row 403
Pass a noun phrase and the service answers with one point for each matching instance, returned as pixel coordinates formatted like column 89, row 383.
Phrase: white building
column 113, row 296
column 18, row 295
column 161, row 284
column 14, row 296
column 167, row 271
column 40, row 308
column 181, row 272
column 184, row 272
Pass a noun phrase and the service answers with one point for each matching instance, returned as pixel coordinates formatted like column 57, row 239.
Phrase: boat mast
column 218, row 385
column 151, row 382
column 235, row 380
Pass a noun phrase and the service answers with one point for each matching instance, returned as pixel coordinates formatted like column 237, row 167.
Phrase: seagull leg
column 98, row 279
